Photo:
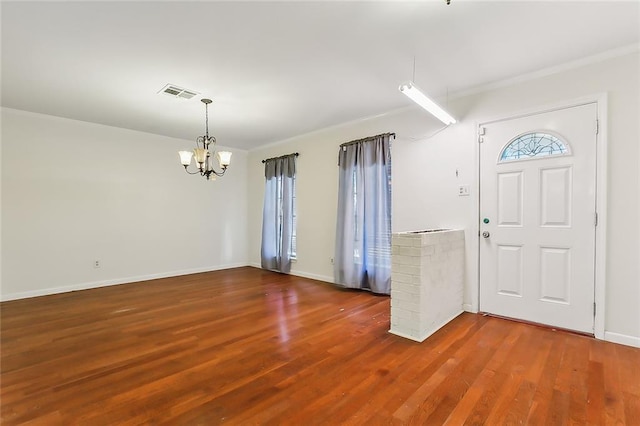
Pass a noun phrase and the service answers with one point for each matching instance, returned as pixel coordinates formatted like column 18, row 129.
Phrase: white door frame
column 601, row 197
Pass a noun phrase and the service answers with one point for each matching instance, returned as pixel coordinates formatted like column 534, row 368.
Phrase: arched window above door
column 533, row 145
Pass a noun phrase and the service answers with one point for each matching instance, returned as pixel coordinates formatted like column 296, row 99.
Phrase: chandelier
column 203, row 154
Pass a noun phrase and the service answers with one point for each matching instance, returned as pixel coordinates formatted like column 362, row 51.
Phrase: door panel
column 537, row 254
column 555, row 197
column 510, row 270
column 510, row 199
column 555, row 270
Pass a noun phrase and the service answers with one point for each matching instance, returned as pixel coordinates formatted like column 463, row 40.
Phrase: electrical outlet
column 331, row 259
column 463, row 190
column 96, row 264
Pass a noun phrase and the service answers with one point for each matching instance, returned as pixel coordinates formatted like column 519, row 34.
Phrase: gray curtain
column 277, row 214
column 363, row 233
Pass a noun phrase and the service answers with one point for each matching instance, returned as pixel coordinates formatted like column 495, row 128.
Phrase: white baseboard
column 468, row 307
column 302, row 274
column 317, row 277
column 117, row 281
column 622, row 339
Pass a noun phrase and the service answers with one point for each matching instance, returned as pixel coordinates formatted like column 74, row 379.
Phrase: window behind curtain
column 294, row 235
column 379, row 250
column 278, row 215
column 293, row 250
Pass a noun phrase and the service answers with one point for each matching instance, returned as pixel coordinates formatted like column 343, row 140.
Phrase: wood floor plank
column 614, row 398
column 578, row 386
column 595, row 394
column 541, row 403
column 437, row 406
column 518, row 410
column 408, row 378
column 402, row 359
column 246, row 346
column 516, row 374
column 462, row 410
column 503, row 383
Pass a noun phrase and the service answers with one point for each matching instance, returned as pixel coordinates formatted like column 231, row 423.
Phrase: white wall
column 94, row 192
column 425, row 183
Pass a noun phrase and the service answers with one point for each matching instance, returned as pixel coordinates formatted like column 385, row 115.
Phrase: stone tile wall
column 427, row 278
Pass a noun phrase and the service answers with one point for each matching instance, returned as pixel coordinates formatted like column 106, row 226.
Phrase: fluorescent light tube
column 417, row 96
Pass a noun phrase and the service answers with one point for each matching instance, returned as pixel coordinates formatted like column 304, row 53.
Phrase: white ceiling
column 278, row 69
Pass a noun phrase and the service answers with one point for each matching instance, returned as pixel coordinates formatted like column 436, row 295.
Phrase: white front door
column 538, row 218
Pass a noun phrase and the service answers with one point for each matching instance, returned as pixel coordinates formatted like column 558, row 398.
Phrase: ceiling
column 279, row 69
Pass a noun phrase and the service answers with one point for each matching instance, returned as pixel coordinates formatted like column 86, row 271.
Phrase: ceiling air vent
column 177, row 92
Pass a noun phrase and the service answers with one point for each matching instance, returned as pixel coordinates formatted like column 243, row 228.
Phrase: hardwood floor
column 245, row 346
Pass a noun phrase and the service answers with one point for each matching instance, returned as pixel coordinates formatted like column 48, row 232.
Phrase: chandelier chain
column 206, row 113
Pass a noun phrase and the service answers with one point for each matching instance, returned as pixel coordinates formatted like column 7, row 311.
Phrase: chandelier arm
column 191, row 173
column 219, row 174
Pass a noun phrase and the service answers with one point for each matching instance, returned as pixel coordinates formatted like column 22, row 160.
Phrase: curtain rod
column 368, row 138
column 282, row 156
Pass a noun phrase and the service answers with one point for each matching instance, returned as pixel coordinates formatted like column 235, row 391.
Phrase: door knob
column 486, row 234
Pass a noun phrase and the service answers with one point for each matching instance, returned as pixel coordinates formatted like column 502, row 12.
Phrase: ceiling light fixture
column 203, row 153
column 416, row 95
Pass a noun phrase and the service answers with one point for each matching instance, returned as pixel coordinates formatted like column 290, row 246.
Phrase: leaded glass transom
column 533, row 145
